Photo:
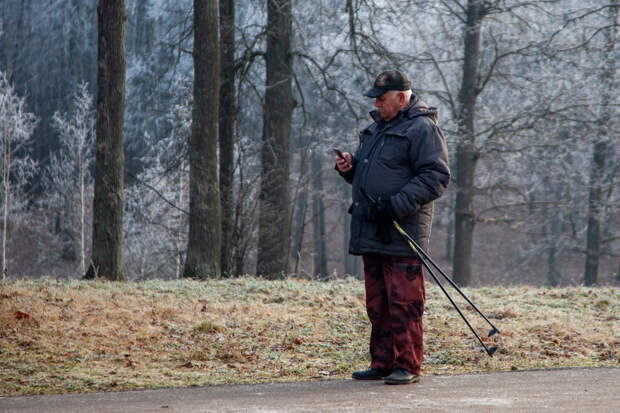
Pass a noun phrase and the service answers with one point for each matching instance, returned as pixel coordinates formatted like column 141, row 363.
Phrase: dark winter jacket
column 405, row 160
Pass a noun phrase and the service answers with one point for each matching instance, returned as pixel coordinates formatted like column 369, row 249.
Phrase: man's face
column 388, row 104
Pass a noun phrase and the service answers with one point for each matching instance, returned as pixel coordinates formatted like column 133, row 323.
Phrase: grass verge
column 59, row 336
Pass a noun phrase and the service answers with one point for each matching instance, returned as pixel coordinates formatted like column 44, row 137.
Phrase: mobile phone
column 339, row 153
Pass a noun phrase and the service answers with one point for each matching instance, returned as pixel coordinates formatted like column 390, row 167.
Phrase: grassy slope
column 70, row 336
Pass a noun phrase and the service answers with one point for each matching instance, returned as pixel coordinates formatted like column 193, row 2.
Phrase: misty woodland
column 174, row 138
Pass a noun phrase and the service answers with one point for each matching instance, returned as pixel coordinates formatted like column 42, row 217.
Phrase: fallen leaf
column 21, row 315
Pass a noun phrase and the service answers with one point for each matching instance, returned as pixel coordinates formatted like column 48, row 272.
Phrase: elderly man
column 402, row 162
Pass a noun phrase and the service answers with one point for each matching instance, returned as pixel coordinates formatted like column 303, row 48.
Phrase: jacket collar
column 415, row 105
column 415, row 108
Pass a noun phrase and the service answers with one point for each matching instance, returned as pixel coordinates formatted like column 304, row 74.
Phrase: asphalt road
column 562, row 390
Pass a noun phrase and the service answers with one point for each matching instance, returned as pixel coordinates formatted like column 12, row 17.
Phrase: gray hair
column 407, row 93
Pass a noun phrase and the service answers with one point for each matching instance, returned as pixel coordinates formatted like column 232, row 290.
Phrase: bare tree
column 246, row 205
column 16, row 128
column 26, row 50
column 156, row 219
column 227, row 128
column 107, row 251
column 204, row 240
column 274, row 221
column 69, row 170
column 301, row 200
column 600, row 171
column 318, row 216
column 466, row 153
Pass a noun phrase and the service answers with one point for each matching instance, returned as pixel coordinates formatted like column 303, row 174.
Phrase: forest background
column 526, row 92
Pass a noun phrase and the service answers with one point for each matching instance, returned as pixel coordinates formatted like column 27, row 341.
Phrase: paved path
column 564, row 390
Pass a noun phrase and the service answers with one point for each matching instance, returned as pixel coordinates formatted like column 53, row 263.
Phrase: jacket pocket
column 394, row 149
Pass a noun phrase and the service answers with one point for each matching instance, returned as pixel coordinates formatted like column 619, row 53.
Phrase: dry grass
column 70, row 336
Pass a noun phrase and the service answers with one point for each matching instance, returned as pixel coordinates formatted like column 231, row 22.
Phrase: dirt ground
column 562, row 390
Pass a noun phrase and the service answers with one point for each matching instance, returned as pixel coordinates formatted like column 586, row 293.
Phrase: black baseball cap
column 388, row 80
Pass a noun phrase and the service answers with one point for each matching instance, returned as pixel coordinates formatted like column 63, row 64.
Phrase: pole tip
column 491, row 350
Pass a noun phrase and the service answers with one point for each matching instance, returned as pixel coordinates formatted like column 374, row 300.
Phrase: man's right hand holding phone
column 344, row 161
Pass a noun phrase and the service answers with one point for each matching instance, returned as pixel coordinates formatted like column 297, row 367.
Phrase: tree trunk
column 181, row 224
column 75, row 64
column 107, row 252
column 274, row 221
column 553, row 275
column 466, row 153
column 300, row 210
column 204, row 239
column 6, row 186
column 318, row 217
column 600, row 153
column 551, row 235
column 227, row 128
column 141, row 38
column 593, row 239
column 242, row 220
column 82, row 180
column 450, row 230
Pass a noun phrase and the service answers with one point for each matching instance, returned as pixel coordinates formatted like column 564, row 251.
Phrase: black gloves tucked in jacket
column 383, row 213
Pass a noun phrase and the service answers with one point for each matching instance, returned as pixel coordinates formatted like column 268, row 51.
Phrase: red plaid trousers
column 395, row 297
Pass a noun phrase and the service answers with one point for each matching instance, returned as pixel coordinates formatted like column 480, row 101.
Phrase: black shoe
column 400, row 376
column 370, row 374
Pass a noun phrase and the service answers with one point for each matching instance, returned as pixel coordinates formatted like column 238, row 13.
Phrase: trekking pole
column 416, row 248
column 420, row 251
column 489, row 350
column 426, row 256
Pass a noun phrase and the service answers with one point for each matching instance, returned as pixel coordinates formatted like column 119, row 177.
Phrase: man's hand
column 385, row 211
column 345, row 164
column 381, row 212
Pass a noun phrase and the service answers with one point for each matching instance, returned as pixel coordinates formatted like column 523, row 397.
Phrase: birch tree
column 69, row 177
column 16, row 128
